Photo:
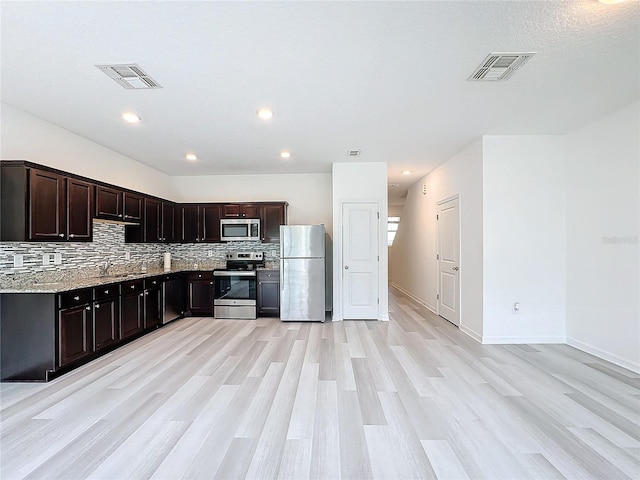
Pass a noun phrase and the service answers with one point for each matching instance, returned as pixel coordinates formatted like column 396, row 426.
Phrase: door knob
column 455, row 268
column 346, row 267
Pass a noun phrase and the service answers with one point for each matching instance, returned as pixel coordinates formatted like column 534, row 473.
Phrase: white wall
column 25, row 137
column 309, row 195
column 523, row 239
column 413, row 262
column 360, row 182
column 603, row 289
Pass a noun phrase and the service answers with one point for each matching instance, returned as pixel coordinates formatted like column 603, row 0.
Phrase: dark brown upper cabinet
column 108, row 203
column 188, row 221
column 272, row 216
column 79, row 210
column 168, row 229
column 115, row 204
column 43, row 205
column 240, row 210
column 209, row 230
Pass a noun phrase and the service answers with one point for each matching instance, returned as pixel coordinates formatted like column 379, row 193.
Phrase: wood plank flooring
column 410, row 398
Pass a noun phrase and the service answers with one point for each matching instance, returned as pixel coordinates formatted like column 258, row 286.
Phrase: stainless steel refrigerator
column 302, row 273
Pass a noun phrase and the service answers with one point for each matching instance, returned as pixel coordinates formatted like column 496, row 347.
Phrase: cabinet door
column 108, row 203
column 231, row 210
column 268, row 301
column 79, row 210
column 168, row 228
column 105, row 323
column 200, row 296
column 132, row 207
column 188, row 223
column 74, row 336
column 47, row 206
column 273, row 215
column 152, row 307
column 152, row 219
column 131, row 314
column 250, row 211
column 209, row 223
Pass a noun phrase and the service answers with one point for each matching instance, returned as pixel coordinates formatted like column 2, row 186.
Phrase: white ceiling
column 387, row 78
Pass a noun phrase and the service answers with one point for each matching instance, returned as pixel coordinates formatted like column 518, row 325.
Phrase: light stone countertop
column 37, row 284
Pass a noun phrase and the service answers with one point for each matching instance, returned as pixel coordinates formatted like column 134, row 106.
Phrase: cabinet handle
column 146, row 293
column 120, row 215
column 71, row 235
column 210, row 283
column 97, row 305
column 199, row 276
column 106, row 291
column 154, row 282
column 142, row 294
column 133, row 287
column 61, row 235
column 76, row 298
column 87, row 307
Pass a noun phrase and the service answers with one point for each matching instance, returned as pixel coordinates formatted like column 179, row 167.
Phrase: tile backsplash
column 84, row 258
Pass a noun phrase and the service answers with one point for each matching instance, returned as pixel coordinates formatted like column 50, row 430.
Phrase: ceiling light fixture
column 131, row 117
column 610, row 2
column 406, row 172
column 191, row 156
column 265, row 113
column 285, row 154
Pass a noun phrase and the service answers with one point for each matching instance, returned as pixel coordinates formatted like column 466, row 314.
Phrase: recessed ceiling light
column 265, row 113
column 191, row 156
column 407, row 172
column 131, row 117
column 285, row 154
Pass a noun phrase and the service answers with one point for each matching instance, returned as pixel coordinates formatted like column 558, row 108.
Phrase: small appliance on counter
column 167, row 262
column 302, row 273
column 235, row 293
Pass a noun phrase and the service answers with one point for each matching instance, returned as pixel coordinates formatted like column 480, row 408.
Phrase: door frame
column 439, row 256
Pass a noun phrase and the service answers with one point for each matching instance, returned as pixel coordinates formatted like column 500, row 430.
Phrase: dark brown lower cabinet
column 131, row 314
column 106, row 314
column 268, row 293
column 152, row 311
column 200, row 293
column 74, row 334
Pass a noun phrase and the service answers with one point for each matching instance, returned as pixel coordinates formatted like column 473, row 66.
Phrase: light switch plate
column 57, row 258
column 127, row 255
column 18, row 260
column 47, row 259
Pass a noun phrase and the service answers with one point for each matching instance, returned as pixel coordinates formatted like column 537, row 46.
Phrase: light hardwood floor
column 409, row 398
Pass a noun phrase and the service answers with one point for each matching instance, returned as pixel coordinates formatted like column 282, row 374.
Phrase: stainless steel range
column 235, row 287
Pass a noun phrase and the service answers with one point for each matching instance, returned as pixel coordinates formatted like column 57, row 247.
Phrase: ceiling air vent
column 129, row 76
column 500, row 66
column 353, row 153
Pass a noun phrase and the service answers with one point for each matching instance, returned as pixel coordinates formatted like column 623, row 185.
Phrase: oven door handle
column 234, row 273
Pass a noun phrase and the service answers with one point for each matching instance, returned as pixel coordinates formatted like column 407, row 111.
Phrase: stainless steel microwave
column 239, row 229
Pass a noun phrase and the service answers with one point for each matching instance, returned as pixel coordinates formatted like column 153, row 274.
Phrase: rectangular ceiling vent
column 129, row 76
column 500, row 66
column 353, row 153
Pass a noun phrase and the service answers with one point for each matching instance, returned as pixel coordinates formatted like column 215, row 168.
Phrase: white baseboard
column 604, row 355
column 472, row 333
column 520, row 340
column 413, row 297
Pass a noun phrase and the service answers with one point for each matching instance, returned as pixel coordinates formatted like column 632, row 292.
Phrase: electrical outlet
column 127, row 255
column 210, row 253
column 18, row 260
column 516, row 307
column 47, row 259
column 57, row 258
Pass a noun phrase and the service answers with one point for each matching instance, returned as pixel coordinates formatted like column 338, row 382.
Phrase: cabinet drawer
column 152, row 282
column 268, row 275
column 131, row 286
column 201, row 276
column 74, row 298
column 106, row 291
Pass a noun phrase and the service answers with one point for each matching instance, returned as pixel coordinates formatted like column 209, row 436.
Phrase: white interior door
column 449, row 260
column 360, row 261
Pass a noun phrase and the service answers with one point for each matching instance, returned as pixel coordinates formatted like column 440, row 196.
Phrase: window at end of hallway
column 393, row 228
